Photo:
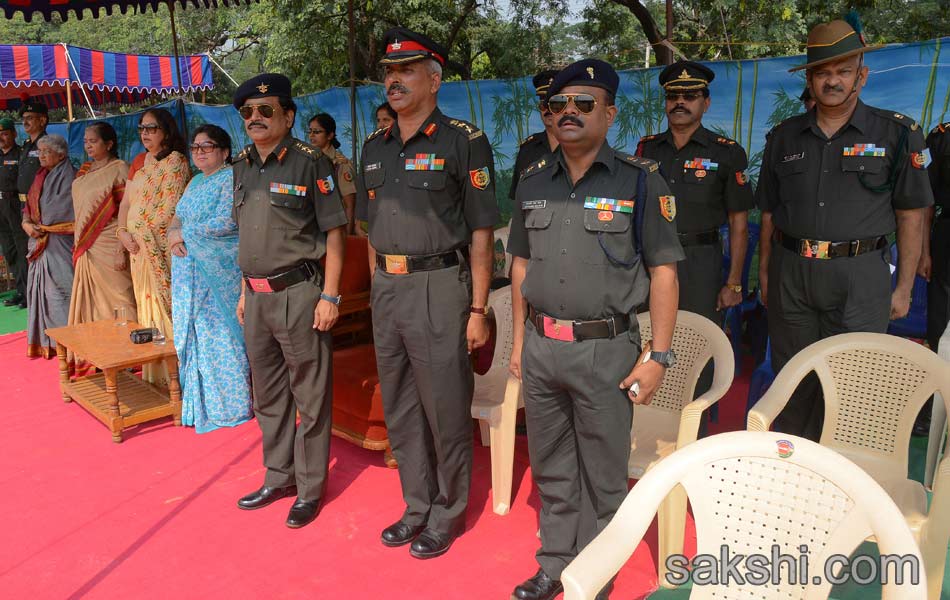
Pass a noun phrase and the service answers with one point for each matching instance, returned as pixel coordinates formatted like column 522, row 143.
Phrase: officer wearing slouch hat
column 426, row 187
column 834, row 183
column 12, row 237
column 537, row 145
column 589, row 224
column 289, row 213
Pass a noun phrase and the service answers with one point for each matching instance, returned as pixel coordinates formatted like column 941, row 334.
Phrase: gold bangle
column 120, row 229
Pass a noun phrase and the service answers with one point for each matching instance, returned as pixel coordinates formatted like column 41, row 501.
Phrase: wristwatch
column 737, row 288
column 332, row 299
column 667, row 359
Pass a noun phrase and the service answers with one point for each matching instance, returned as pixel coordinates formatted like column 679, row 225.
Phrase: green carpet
column 12, row 318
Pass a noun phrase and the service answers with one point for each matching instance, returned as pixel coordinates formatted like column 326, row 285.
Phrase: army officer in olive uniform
column 13, row 239
column 593, row 236
column 427, row 189
column 289, row 214
column 835, row 182
column 540, row 144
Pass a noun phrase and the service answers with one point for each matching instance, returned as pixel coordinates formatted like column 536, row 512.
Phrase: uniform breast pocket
column 870, row 169
column 609, row 239
column 791, row 176
column 699, row 176
column 433, row 181
column 374, row 178
column 537, row 222
column 288, row 211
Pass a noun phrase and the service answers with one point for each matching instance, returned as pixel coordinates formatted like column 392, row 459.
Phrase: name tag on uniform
column 9, row 163
column 286, row 188
column 610, row 204
column 863, row 150
column 532, row 204
column 33, row 154
column 373, row 166
column 791, row 157
column 705, row 164
column 425, row 162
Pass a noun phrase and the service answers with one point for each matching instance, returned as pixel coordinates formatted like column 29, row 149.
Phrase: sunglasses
column 264, row 110
column 151, row 128
column 687, row 96
column 584, row 103
column 203, row 148
column 315, row 131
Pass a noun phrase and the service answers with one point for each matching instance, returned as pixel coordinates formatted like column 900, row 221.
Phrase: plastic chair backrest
column 752, row 492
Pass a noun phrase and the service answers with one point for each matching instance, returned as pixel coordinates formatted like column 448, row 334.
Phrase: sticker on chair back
column 784, row 448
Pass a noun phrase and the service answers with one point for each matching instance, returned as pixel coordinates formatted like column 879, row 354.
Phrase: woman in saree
column 102, row 281
column 156, row 181
column 206, row 283
column 48, row 220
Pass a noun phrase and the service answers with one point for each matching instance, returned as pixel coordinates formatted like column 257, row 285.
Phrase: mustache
column 832, row 88
column 397, row 87
column 679, row 108
column 257, row 124
column 569, row 119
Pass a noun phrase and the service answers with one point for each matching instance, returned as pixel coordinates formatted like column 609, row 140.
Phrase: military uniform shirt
column 284, row 205
column 9, row 163
column 938, row 142
column 427, row 195
column 707, row 176
column 813, row 186
column 534, row 148
column 344, row 172
column 569, row 274
column 29, row 165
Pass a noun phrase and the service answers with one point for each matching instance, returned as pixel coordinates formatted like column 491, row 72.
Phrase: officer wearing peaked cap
column 834, row 183
column 426, row 187
column 289, row 213
column 706, row 173
column 589, row 224
column 540, row 144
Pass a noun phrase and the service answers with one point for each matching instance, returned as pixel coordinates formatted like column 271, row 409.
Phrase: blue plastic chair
column 914, row 325
column 761, row 379
column 734, row 314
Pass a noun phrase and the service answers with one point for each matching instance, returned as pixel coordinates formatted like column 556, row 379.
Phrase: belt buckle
column 558, row 329
column 815, row 249
column 260, row 285
column 397, row 264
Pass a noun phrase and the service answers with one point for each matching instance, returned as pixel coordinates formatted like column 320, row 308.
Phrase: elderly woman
column 206, row 284
column 322, row 134
column 48, row 220
column 102, row 281
column 156, row 181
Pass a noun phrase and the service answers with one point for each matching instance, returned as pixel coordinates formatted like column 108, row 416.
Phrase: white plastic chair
column 671, row 421
column 874, row 386
column 752, row 491
column 496, row 401
column 938, row 418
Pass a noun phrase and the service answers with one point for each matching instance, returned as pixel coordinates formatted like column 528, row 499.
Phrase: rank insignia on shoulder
column 920, row 160
column 480, row 178
column 326, row 185
column 668, row 207
column 463, row 126
column 644, row 163
column 286, row 188
column 425, row 162
column 532, row 204
column 742, row 178
column 725, row 141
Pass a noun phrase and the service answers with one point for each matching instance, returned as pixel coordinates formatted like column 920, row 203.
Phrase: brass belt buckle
column 815, row 249
column 397, row 264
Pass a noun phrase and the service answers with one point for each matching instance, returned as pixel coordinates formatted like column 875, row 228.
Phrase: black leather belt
column 700, row 238
column 276, row 283
column 401, row 264
column 825, row 250
column 577, row 331
column 8, row 195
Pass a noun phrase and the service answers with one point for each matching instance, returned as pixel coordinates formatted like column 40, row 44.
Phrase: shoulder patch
column 644, row 163
column 306, row 149
column 537, row 167
column 376, row 133
column 897, row 118
column 464, row 126
column 725, row 141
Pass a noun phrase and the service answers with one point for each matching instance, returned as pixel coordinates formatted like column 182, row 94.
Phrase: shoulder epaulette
column 376, row 133
column 647, row 138
column 942, row 128
column 307, row 150
column 244, row 154
column 724, row 141
column 530, row 138
column 646, row 164
column 537, row 167
column 898, row 118
column 465, row 127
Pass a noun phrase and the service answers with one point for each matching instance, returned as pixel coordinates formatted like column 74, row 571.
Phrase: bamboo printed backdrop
column 748, row 98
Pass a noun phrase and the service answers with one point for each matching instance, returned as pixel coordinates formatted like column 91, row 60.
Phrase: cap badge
column 396, row 45
column 684, row 75
column 262, row 88
column 590, row 71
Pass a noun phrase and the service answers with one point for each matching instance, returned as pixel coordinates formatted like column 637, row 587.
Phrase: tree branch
column 663, row 54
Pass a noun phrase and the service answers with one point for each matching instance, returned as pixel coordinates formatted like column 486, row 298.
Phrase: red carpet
column 155, row 516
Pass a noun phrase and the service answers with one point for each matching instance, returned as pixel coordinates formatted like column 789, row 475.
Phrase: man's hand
column 240, row 310
column 924, row 265
column 325, row 315
column 477, row 331
column 727, row 297
column 649, row 375
column 900, row 304
column 514, row 367
column 764, row 288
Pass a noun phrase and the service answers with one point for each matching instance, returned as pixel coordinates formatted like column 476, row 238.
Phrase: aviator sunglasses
column 265, row 110
column 584, row 103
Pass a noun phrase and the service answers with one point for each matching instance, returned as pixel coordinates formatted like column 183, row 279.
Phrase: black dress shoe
column 14, row 300
column 539, row 587
column 430, row 544
column 303, row 512
column 400, row 534
column 264, row 496
column 22, row 303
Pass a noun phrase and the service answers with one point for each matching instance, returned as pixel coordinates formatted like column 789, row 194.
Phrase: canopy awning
column 47, row 8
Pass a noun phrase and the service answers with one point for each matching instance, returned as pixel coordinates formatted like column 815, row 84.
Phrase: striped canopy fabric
column 44, row 71
column 78, row 8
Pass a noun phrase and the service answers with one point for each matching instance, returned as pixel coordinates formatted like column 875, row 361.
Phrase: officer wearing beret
column 935, row 255
column 706, row 173
column 835, row 182
column 592, row 236
column 12, row 237
column 426, row 187
column 321, row 131
column 536, row 145
column 289, row 214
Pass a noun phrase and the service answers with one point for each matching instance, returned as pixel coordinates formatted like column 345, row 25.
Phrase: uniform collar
column 279, row 152
column 429, row 128
column 605, row 156
column 858, row 120
column 701, row 136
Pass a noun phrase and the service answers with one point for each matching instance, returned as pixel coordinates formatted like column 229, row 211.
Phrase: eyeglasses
column 543, row 107
column 151, row 128
column 203, row 148
column 687, row 96
column 264, row 110
column 584, row 103
column 315, row 131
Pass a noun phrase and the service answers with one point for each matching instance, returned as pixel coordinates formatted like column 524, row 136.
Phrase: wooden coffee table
column 115, row 396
